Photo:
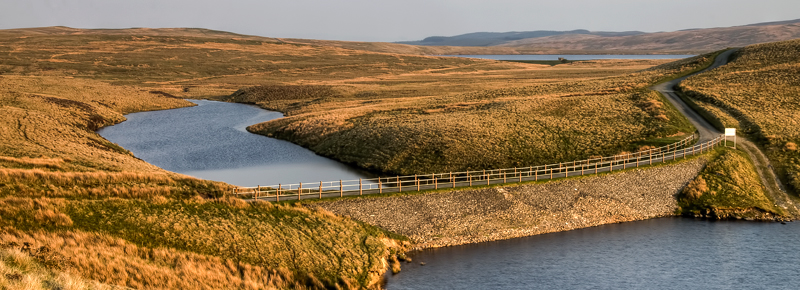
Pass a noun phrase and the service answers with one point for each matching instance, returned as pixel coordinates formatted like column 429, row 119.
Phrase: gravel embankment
column 478, row 215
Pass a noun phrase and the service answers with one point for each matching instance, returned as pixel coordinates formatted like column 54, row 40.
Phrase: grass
column 120, row 221
column 24, row 268
column 486, row 127
column 757, row 92
column 65, row 188
column 728, row 187
column 294, row 246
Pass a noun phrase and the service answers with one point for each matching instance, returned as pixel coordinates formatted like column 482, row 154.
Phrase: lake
column 666, row 253
column 209, row 141
column 571, row 56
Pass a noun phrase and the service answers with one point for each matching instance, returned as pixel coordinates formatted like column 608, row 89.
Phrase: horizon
column 362, row 20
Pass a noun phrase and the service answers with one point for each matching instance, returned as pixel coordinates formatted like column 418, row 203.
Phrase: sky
column 382, row 20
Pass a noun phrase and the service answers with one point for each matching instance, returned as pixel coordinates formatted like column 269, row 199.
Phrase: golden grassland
column 195, row 243
column 21, row 268
column 759, row 93
column 728, row 187
column 120, row 221
column 543, row 120
column 117, row 220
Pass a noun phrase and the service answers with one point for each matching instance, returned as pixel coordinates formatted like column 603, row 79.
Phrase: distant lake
column 572, row 56
column 210, row 141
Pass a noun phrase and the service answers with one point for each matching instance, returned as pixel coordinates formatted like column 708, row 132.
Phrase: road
column 772, row 184
column 705, row 129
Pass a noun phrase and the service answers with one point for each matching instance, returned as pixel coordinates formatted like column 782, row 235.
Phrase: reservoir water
column 572, row 56
column 667, row 253
column 209, row 141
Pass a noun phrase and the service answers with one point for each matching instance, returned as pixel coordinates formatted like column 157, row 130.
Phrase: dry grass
column 759, row 93
column 487, row 126
column 204, row 244
column 121, row 221
column 19, row 269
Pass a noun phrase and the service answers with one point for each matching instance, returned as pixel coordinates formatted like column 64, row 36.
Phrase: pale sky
column 381, row 20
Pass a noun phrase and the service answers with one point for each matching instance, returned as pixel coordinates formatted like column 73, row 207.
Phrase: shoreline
column 439, row 219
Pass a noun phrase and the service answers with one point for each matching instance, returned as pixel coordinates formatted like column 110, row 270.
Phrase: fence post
column 611, row 168
column 320, row 190
column 637, row 159
column 360, row 188
column 453, row 180
column 470, row 178
column 399, row 185
column 278, row 194
column 624, row 161
column 299, row 190
column 504, row 177
column 341, row 188
column 566, row 171
column 416, row 181
column 435, row 182
column 551, row 173
column 380, row 186
column 536, row 178
column 258, row 191
column 595, row 165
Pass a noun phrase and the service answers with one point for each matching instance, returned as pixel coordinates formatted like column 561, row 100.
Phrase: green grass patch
column 728, row 187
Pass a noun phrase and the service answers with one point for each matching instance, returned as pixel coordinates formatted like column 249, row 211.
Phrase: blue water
column 571, row 57
column 209, row 141
column 668, row 253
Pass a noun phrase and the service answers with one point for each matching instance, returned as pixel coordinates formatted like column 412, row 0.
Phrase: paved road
column 706, row 130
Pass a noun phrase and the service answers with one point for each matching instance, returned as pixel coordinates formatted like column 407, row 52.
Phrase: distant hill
column 177, row 32
column 498, row 38
column 684, row 41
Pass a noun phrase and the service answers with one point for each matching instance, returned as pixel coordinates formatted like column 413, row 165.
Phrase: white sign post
column 730, row 132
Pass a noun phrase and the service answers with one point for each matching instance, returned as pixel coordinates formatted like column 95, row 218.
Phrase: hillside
column 759, row 93
column 498, row 38
column 679, row 42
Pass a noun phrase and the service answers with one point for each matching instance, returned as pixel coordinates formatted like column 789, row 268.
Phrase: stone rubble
column 464, row 216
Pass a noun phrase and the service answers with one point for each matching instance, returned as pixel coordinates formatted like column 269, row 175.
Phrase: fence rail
column 340, row 188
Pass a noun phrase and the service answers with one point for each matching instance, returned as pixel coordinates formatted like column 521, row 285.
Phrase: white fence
column 340, row 188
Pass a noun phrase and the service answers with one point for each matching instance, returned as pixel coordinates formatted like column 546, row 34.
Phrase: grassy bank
column 727, row 188
column 488, row 127
column 757, row 92
column 110, row 219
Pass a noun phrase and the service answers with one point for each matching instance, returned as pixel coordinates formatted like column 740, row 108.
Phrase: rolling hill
column 584, row 41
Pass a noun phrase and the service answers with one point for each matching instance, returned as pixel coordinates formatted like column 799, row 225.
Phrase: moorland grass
column 728, row 187
column 121, row 221
column 513, row 126
column 759, row 93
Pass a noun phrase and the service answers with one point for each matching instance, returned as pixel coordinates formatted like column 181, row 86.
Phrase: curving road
column 707, row 132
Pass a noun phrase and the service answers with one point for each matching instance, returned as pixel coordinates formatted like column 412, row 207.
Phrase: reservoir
column 572, row 56
column 666, row 253
column 209, row 141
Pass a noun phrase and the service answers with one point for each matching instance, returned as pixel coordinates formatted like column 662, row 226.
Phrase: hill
column 498, row 38
column 685, row 41
column 758, row 92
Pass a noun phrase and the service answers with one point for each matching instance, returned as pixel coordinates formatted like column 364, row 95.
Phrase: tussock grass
column 558, row 121
column 759, row 93
column 728, row 187
column 20, row 269
column 255, row 245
